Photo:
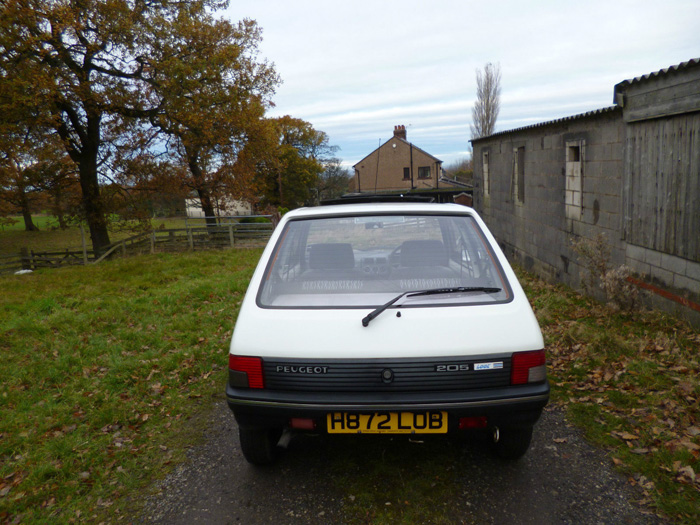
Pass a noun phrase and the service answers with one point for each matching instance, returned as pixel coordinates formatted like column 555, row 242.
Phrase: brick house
column 398, row 166
column 630, row 171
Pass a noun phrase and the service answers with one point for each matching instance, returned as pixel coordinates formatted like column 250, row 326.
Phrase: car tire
column 259, row 445
column 513, row 442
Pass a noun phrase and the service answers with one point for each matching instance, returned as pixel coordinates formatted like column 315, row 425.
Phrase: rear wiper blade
column 435, row 291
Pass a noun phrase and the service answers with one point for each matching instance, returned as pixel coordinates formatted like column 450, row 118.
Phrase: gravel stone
column 562, row 480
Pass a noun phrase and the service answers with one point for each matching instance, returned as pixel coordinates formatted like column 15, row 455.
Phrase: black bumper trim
column 542, row 398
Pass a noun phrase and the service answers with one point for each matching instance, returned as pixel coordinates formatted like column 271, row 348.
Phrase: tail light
column 466, row 423
column 245, row 372
column 528, row 367
column 302, row 423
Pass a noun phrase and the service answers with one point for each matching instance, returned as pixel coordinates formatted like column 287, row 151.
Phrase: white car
column 396, row 318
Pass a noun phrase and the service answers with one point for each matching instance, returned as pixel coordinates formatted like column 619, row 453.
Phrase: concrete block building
column 630, row 172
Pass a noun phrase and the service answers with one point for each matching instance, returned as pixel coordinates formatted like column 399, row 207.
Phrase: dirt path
column 562, row 479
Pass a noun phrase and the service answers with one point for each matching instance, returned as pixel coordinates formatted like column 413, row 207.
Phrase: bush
column 621, row 293
column 252, row 220
column 594, row 253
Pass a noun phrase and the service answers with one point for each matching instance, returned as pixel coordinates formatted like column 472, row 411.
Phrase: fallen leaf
column 625, row 435
column 693, row 431
column 686, row 387
column 686, row 474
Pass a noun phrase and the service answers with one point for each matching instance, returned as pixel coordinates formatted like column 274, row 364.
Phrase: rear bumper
column 510, row 406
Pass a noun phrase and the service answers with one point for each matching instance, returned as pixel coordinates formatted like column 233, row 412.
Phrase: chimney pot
column 400, row 131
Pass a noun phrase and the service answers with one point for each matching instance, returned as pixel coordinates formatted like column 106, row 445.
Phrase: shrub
column 251, row 220
column 594, row 253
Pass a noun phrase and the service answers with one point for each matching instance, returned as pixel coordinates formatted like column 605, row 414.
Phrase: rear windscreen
column 365, row 261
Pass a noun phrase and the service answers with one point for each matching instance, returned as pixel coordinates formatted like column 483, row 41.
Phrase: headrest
column 331, row 256
column 423, row 253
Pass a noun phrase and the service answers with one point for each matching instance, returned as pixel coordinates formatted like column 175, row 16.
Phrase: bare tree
column 488, row 101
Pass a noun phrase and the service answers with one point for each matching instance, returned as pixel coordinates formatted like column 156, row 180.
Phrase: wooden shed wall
column 662, row 185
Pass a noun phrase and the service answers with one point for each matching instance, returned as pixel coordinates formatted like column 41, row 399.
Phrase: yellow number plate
column 431, row 422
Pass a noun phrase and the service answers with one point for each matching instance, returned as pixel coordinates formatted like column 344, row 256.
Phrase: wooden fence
column 163, row 240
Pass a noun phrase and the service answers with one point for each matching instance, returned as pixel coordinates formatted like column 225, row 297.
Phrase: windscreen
column 365, row 261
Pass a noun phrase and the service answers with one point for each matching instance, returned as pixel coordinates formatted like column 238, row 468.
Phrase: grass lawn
column 51, row 238
column 104, row 368
column 633, row 383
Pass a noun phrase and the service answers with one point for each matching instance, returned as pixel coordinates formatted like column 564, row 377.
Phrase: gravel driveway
column 562, row 479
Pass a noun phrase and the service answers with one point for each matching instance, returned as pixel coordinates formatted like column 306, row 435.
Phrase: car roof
column 380, row 208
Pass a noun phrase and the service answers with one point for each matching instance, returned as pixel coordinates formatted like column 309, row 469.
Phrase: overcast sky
column 355, row 69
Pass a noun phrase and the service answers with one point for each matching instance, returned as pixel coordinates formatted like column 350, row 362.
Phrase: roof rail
column 361, row 198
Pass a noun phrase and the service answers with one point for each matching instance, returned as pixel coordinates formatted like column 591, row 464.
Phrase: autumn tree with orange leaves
column 97, row 71
column 35, row 172
column 211, row 92
column 299, row 156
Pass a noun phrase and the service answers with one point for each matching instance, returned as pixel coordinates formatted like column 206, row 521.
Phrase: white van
column 397, row 318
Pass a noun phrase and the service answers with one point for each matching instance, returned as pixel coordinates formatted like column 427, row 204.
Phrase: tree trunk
column 201, row 187
column 57, row 195
column 26, row 212
column 207, row 206
column 91, row 199
column 61, row 219
column 27, row 216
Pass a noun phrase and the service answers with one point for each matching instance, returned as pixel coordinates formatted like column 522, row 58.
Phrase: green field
column 106, row 367
column 103, row 367
column 632, row 382
column 51, row 238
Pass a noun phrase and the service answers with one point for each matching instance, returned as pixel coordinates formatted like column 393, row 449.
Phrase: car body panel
column 426, row 330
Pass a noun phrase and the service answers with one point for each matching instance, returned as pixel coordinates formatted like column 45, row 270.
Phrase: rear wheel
column 259, row 445
column 512, row 443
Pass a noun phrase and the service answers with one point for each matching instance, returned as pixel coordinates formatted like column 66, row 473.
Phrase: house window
column 424, row 172
column 407, row 174
column 519, row 174
column 485, row 170
column 574, row 175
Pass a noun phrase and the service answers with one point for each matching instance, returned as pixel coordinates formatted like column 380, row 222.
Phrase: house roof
column 610, row 109
column 400, row 140
column 456, row 183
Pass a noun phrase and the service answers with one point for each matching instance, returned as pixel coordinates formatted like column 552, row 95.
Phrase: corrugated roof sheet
column 596, row 112
column 661, row 72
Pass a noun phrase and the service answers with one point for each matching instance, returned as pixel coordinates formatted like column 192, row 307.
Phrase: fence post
column 82, row 238
column 190, row 239
column 230, row 233
column 153, row 242
column 25, row 259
